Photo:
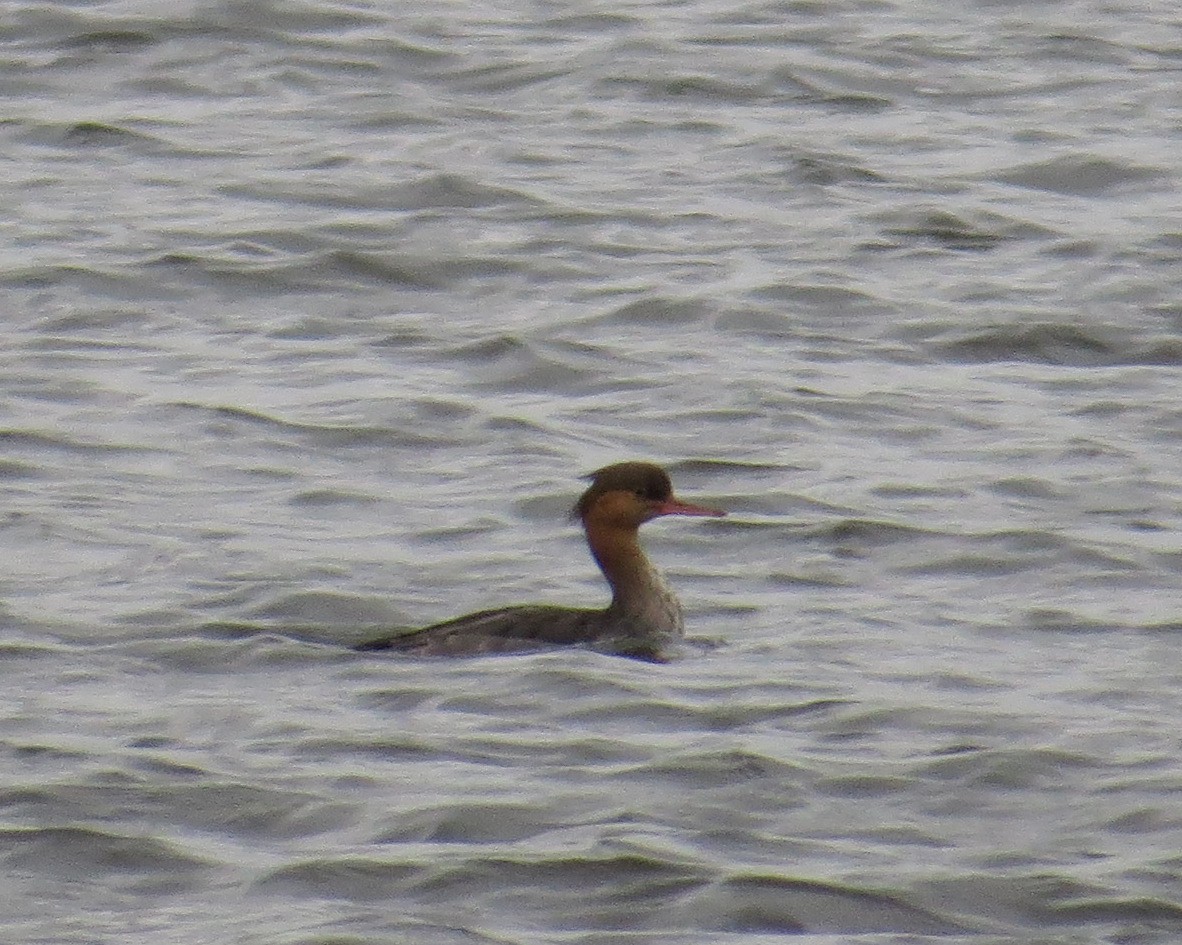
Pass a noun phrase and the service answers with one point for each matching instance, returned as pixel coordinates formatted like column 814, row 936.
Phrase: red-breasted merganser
column 643, row 614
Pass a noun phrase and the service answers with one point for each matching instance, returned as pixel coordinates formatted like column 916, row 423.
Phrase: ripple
column 84, row 853
column 1052, row 343
column 439, row 191
column 755, row 904
column 90, row 135
column 200, row 802
column 950, row 231
column 357, row 879
column 334, row 436
column 1081, row 175
column 40, row 443
column 1160, row 913
column 109, row 41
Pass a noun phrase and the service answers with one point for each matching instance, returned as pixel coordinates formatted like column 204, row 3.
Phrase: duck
column 644, row 617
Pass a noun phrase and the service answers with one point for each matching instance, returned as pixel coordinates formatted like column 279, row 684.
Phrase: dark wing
column 504, row 630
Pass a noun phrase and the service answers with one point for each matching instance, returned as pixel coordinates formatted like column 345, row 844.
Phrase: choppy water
column 313, row 313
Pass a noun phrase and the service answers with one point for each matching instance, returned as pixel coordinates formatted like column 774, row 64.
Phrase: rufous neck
column 618, row 553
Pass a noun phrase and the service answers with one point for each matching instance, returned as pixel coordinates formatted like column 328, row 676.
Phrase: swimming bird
column 644, row 614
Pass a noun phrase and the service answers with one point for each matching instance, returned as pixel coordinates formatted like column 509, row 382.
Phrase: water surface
column 315, row 312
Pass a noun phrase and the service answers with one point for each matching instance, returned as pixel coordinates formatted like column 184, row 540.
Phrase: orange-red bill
column 677, row 507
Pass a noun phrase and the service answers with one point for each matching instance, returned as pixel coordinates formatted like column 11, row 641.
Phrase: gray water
column 313, row 314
